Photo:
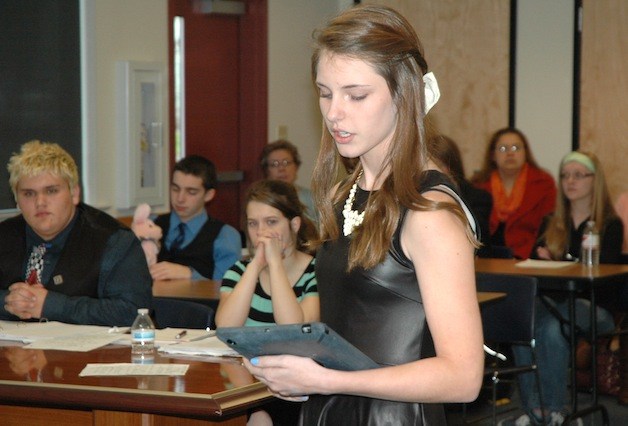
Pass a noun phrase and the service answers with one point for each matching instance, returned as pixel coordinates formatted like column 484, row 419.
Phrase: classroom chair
column 176, row 313
column 506, row 322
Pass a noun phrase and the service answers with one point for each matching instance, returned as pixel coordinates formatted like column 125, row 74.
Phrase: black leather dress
column 380, row 311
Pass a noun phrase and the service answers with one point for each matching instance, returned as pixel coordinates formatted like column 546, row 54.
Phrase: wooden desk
column 571, row 279
column 489, row 296
column 208, row 291
column 580, row 277
column 43, row 387
column 204, row 291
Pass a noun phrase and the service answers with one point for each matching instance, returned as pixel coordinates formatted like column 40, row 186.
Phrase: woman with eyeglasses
column 523, row 193
column 582, row 196
column 280, row 160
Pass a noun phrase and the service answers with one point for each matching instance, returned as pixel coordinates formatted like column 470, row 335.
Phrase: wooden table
column 573, row 279
column 208, row 291
column 201, row 291
column 43, row 387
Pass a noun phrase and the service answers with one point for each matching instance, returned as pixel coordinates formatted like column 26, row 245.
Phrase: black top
column 380, row 311
column 611, row 239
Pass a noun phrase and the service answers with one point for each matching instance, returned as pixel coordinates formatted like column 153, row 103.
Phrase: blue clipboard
column 313, row 340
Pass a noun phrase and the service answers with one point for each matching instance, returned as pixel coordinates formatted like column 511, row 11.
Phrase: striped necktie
column 35, row 265
column 178, row 241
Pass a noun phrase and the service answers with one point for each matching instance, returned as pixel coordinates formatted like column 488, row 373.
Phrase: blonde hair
column 385, row 40
column 558, row 228
column 37, row 157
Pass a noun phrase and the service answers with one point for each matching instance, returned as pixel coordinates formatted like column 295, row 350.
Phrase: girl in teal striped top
column 277, row 285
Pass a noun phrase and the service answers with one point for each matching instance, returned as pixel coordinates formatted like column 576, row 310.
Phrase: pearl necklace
column 351, row 217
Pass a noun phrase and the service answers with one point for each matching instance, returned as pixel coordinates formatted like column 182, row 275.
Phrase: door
column 225, row 93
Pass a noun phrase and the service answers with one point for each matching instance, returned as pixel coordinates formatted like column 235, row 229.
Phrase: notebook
column 314, row 340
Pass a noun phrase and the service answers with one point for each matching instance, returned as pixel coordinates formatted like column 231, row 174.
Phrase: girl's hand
column 543, row 253
column 288, row 377
column 273, row 248
column 259, row 256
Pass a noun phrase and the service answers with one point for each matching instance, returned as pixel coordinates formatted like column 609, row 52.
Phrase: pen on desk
column 181, row 334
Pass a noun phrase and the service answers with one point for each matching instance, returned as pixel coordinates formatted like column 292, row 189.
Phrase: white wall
column 544, row 78
column 292, row 101
column 112, row 31
column 121, row 30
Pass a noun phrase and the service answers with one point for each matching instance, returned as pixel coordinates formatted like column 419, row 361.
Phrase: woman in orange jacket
column 523, row 193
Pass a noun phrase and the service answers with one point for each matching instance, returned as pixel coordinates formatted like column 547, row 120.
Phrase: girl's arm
column 234, row 306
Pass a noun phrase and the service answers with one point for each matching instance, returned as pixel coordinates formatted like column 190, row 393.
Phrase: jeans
column 552, row 353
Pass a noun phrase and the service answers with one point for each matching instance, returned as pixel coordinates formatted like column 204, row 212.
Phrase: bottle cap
column 142, row 311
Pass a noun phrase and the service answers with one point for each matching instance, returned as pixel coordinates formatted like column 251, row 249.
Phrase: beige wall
column 604, row 103
column 467, row 47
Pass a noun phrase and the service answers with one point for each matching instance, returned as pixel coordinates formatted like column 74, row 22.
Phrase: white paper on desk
column 127, row 369
column 75, row 343
column 546, row 264
column 167, row 336
column 210, row 346
column 31, row 331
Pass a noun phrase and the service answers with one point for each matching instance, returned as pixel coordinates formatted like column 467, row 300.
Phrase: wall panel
column 467, row 47
column 604, row 83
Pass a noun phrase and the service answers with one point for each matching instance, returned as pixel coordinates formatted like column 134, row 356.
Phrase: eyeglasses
column 283, row 163
column 576, row 175
column 511, row 148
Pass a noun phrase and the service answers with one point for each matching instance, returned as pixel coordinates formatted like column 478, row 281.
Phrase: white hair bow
column 432, row 93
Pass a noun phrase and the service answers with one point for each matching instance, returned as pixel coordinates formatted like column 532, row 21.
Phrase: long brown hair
column 284, row 197
column 558, row 229
column 385, row 40
column 446, row 154
column 489, row 164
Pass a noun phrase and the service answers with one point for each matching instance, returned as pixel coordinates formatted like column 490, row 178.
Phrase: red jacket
column 523, row 225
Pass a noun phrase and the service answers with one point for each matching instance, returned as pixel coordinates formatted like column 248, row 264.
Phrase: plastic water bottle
column 590, row 249
column 143, row 334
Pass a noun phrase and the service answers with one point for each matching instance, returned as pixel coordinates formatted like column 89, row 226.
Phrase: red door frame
column 252, row 119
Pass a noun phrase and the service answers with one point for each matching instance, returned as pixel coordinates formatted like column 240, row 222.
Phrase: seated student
column 522, row 192
column 277, row 285
column 280, row 160
column 61, row 259
column 582, row 196
column 446, row 154
column 195, row 245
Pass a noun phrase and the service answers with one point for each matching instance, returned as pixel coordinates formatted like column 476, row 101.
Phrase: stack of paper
column 538, row 263
column 82, row 338
column 210, row 346
column 169, row 336
column 126, row 369
column 31, row 331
